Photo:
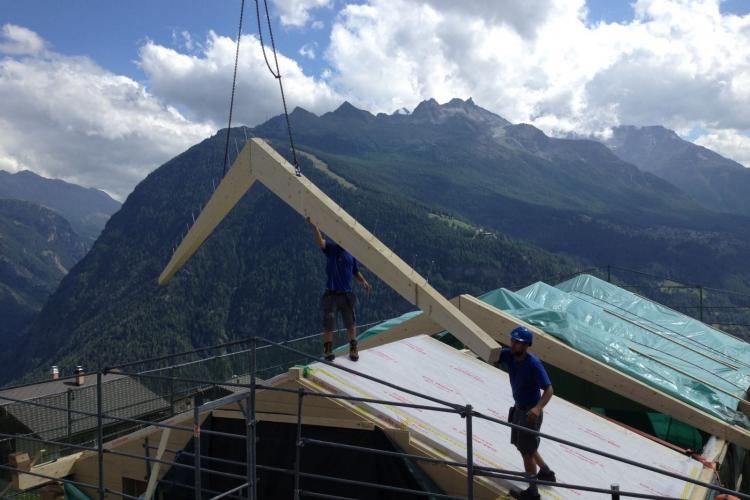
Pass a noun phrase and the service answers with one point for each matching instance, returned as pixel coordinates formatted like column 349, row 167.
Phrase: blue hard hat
column 522, row 334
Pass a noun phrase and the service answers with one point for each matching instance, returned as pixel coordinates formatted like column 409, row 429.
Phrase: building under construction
column 650, row 403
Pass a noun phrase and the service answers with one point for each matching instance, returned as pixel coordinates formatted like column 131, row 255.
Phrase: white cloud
column 680, row 63
column 524, row 17
column 728, row 143
column 307, row 50
column 199, row 84
column 66, row 117
column 297, row 12
column 17, row 40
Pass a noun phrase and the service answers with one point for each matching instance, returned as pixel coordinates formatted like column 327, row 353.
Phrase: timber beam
column 260, row 162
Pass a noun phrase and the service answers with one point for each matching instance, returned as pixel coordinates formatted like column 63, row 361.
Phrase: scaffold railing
column 213, row 393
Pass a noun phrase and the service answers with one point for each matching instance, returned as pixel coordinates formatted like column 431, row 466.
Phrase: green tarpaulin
column 679, row 355
column 73, row 493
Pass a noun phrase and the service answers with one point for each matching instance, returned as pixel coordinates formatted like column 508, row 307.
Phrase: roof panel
column 443, row 372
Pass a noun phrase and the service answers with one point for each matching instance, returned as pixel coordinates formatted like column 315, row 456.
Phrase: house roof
column 443, row 372
column 674, row 353
column 123, row 396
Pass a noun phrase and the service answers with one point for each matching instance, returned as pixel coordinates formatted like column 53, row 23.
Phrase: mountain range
column 37, row 248
column 87, row 209
column 709, row 178
column 472, row 201
column 568, row 196
column 46, row 227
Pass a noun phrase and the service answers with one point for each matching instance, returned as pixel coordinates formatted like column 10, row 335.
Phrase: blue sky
column 111, row 32
column 139, row 81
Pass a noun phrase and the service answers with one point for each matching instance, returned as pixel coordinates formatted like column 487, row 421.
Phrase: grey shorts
column 335, row 303
column 526, row 443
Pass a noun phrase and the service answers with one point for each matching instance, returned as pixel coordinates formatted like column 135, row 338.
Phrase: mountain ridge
column 711, row 179
column 259, row 273
column 550, row 203
column 87, row 209
column 38, row 247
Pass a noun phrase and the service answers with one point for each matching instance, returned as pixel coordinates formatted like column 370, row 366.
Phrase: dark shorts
column 526, row 443
column 335, row 303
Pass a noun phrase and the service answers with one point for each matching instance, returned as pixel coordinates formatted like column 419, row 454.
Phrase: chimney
column 54, row 373
column 80, row 379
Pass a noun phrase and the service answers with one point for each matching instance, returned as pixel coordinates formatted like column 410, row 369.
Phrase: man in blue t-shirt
column 532, row 390
column 338, row 298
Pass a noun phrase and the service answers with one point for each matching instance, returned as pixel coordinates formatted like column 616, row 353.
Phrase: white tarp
column 427, row 366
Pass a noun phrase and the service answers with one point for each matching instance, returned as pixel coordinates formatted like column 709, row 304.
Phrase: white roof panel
column 427, row 366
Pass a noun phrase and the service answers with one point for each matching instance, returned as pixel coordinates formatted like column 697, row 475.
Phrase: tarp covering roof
column 675, row 353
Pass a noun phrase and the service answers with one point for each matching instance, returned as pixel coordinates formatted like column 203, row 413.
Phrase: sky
column 101, row 93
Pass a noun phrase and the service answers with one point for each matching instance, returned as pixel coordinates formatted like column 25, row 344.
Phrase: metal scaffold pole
column 197, row 449
column 469, row 454
column 250, row 430
column 298, row 456
column 100, row 431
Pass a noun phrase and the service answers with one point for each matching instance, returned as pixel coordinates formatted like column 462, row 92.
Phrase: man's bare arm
column 534, row 413
column 362, row 281
column 316, row 234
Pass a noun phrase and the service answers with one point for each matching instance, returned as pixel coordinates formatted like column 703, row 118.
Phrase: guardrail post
column 197, row 449
column 171, row 392
column 69, row 401
column 298, row 457
column 615, row 491
column 250, row 431
column 100, row 432
column 469, row 454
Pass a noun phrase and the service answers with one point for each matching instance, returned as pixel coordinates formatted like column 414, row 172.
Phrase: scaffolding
column 209, row 393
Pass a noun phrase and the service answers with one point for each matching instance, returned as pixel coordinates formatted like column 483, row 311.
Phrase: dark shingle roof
column 123, row 396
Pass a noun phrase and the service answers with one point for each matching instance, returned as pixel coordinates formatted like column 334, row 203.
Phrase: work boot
column 353, row 353
column 328, row 351
column 546, row 474
column 530, row 493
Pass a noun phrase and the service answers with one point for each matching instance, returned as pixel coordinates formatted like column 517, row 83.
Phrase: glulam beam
column 260, row 162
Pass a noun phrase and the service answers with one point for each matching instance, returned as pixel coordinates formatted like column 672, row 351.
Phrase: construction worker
column 341, row 267
column 532, row 390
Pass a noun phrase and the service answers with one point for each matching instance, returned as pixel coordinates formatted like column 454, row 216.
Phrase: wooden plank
column 701, row 492
column 231, row 189
column 62, row 467
column 499, row 324
column 154, row 476
column 285, row 418
column 309, row 201
column 258, row 161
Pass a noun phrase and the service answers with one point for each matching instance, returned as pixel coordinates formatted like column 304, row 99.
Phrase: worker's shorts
column 335, row 303
column 526, row 443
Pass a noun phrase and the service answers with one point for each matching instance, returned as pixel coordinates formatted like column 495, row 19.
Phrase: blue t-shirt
column 527, row 377
column 341, row 266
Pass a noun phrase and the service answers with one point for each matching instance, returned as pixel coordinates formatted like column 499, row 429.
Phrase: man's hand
column 316, row 234
column 533, row 414
column 367, row 286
